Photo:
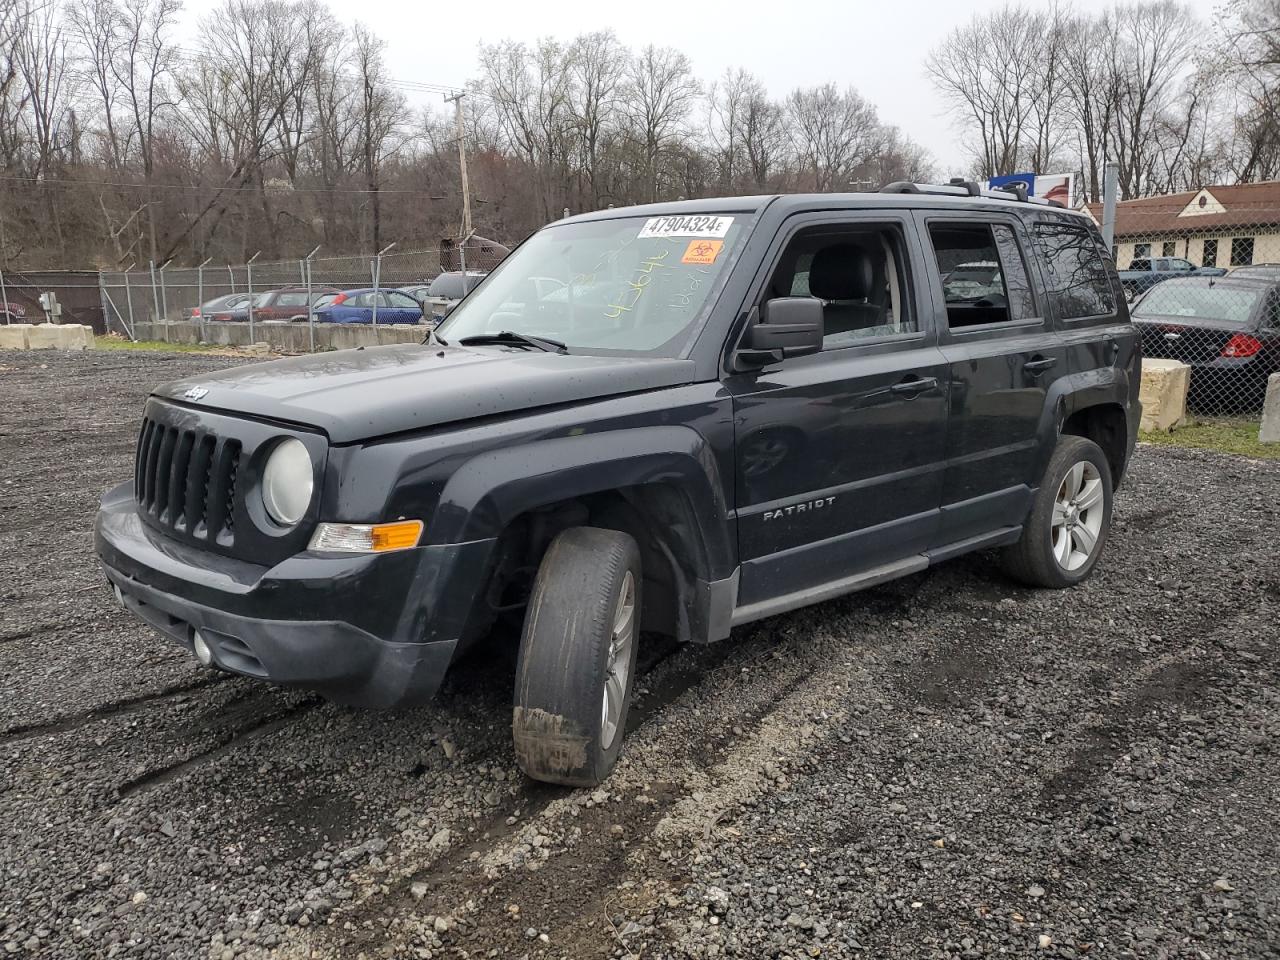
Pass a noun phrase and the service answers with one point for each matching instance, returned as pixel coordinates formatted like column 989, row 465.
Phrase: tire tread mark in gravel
column 117, row 708
column 225, row 743
column 595, row 872
column 557, row 900
column 1175, row 684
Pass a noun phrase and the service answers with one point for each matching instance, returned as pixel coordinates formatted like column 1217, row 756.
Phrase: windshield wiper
column 546, row 344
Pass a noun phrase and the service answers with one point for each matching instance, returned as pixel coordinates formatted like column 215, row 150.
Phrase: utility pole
column 456, row 99
column 1110, row 179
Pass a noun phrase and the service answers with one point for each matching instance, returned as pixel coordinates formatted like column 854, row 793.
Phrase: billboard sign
column 1052, row 186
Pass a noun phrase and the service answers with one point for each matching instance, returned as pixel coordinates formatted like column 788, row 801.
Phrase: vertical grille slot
column 177, row 499
column 186, row 480
column 197, row 490
column 164, row 463
column 220, row 499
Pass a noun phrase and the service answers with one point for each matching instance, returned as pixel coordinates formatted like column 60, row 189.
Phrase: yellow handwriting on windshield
column 686, row 298
column 634, row 287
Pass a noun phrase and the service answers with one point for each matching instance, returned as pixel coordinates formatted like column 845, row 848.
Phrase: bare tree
column 529, row 91
column 95, row 24
column 1092, row 91
column 833, row 133
column 141, row 65
column 1002, row 73
column 1251, row 59
column 661, row 91
column 42, row 68
column 382, row 115
column 597, row 65
column 1154, row 42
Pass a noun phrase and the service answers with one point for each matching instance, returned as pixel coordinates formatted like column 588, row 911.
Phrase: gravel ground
column 946, row 766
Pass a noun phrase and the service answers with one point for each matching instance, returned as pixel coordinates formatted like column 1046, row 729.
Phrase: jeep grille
column 185, row 480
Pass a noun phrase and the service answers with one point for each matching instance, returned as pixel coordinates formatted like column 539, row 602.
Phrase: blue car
column 356, row 306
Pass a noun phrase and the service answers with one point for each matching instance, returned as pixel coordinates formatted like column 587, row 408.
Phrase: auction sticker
column 702, row 251
column 698, row 226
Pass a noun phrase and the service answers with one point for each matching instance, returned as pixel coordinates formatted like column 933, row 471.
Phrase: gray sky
column 878, row 47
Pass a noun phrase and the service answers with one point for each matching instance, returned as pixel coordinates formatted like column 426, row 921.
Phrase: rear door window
column 1076, row 271
column 984, row 276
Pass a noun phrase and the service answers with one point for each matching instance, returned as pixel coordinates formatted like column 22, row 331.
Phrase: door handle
column 914, row 386
column 1039, row 365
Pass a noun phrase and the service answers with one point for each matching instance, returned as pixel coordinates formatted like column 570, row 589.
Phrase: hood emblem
column 195, row 393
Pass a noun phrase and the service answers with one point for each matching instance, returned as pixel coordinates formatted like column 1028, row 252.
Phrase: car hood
column 373, row 391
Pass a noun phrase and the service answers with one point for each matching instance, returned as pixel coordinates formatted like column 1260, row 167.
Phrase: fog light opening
column 203, row 652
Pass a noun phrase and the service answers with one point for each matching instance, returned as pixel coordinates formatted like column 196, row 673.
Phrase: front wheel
column 577, row 657
column 1069, row 521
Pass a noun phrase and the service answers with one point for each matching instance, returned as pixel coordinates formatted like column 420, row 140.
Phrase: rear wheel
column 578, row 657
column 1069, row 521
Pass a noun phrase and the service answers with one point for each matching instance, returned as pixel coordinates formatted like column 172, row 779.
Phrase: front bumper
column 376, row 630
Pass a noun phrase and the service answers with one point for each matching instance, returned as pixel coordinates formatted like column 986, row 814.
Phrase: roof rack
column 960, row 187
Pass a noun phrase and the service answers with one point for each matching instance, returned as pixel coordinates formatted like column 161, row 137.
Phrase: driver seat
column 846, row 277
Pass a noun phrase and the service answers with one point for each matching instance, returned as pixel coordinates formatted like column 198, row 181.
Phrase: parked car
column 287, row 303
column 419, row 291
column 1145, row 272
column 12, row 312
column 352, row 521
column 1256, row 271
column 356, row 306
column 218, row 304
column 451, row 285
column 1227, row 329
column 973, row 280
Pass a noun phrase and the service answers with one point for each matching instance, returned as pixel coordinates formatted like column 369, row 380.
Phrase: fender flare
column 1075, row 392
column 491, row 489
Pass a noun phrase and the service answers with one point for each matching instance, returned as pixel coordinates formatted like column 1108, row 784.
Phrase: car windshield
column 1200, row 302
column 636, row 285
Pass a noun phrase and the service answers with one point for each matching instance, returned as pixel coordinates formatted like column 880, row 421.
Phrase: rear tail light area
column 1242, row 345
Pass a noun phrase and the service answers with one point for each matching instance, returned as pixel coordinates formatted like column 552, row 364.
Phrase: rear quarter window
column 1079, row 284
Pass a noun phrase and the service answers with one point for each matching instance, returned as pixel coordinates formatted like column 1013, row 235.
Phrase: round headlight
column 288, row 482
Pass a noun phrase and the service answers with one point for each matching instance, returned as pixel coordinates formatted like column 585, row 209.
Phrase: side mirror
column 792, row 325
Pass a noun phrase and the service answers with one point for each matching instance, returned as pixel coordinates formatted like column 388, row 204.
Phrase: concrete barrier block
column 45, row 336
column 76, row 336
column 13, row 336
column 1163, row 393
column 1270, row 430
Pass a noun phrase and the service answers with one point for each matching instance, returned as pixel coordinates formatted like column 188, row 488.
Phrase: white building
column 1224, row 226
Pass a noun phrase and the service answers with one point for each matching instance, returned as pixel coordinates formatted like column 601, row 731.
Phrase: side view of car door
column 839, row 453
column 1003, row 355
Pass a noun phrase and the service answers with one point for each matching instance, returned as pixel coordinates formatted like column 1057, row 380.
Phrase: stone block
column 1163, row 393
column 13, row 336
column 46, row 336
column 1270, row 430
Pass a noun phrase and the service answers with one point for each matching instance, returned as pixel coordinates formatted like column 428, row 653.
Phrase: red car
column 11, row 312
column 287, row 303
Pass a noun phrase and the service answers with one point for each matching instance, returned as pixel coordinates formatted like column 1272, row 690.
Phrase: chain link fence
column 288, row 291
column 1201, row 270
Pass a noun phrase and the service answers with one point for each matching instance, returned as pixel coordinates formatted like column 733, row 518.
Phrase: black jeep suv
column 676, row 418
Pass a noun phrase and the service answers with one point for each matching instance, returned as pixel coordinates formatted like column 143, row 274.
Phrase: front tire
column 578, row 657
column 1069, row 521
